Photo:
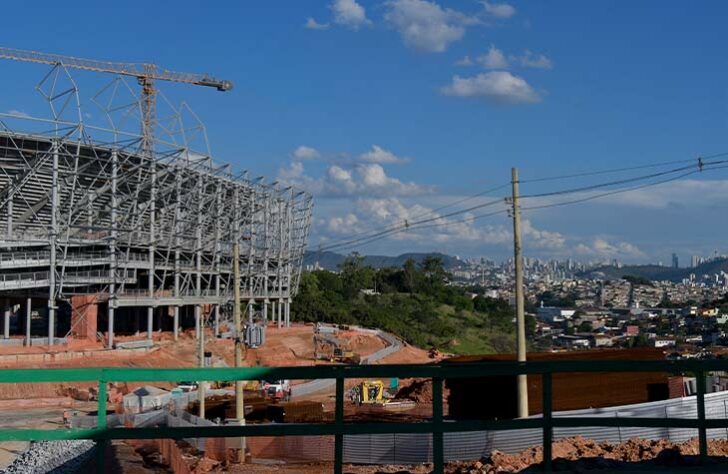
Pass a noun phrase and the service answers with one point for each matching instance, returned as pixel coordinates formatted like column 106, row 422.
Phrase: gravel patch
column 57, row 457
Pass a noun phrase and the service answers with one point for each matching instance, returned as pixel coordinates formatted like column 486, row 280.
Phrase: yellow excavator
column 369, row 392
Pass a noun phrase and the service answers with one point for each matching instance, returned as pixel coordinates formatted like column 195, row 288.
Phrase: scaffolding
column 89, row 211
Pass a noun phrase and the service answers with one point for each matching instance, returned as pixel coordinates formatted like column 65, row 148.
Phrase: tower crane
column 145, row 73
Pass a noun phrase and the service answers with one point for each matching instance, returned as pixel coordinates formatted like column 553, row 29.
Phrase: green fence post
column 702, row 431
column 438, row 448
column 339, row 420
column 100, row 426
column 548, row 430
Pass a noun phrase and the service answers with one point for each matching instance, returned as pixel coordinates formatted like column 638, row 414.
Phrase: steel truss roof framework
column 94, row 210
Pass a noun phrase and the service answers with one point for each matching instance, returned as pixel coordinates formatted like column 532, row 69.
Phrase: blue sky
column 394, row 123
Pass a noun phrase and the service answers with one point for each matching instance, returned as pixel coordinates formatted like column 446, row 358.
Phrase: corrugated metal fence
column 417, row 448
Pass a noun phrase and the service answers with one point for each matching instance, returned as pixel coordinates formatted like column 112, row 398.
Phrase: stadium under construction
column 128, row 229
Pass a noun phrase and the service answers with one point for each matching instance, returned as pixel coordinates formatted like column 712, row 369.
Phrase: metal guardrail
column 436, row 427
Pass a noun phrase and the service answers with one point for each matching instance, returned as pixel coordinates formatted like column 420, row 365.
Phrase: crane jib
column 138, row 70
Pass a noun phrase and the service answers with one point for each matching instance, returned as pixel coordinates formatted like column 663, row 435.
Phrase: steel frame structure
column 88, row 210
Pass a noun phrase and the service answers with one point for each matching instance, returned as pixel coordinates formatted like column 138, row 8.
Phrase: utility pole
column 520, row 316
column 201, row 346
column 239, row 401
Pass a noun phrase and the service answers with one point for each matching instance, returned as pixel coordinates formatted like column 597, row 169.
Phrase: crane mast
column 145, row 73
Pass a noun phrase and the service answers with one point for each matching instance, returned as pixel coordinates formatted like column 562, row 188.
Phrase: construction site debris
column 579, row 454
column 53, row 456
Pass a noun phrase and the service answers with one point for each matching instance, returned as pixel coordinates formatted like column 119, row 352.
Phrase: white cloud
column 426, row 26
column 345, row 225
column 18, row 113
column 304, row 152
column 532, row 60
column 542, row 239
column 352, row 180
column 602, row 248
column 349, row 13
column 293, row 172
column 497, row 86
column 466, row 61
column 493, row 59
column 499, row 10
column 690, row 193
column 312, row 24
column 379, row 155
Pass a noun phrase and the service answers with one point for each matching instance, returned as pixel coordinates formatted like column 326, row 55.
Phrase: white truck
column 276, row 389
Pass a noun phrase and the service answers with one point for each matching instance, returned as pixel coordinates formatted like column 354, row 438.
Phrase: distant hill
column 332, row 260
column 655, row 272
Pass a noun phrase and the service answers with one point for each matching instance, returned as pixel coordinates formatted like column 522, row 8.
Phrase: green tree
column 411, row 276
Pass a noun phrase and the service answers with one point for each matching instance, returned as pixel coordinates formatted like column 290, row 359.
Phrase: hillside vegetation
column 413, row 302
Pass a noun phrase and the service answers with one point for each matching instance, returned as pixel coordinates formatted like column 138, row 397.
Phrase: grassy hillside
column 414, row 304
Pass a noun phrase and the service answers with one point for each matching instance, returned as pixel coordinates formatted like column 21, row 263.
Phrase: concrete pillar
column 265, row 310
column 150, row 322
column 110, row 329
column 217, row 320
column 84, row 316
column 176, row 323
column 280, row 312
column 28, row 311
column 6, row 319
column 251, row 311
column 288, row 313
column 197, row 322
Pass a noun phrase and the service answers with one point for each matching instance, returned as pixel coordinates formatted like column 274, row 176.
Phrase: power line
column 387, row 228
column 408, row 224
column 619, row 170
column 420, row 227
column 700, row 166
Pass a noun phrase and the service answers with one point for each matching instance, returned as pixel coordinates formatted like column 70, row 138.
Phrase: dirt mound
column 419, row 390
column 585, row 454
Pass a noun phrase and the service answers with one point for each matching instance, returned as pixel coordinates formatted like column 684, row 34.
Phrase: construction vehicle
column 278, row 390
column 330, row 348
column 369, row 392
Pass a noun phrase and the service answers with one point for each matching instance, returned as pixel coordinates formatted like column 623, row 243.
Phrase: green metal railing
column 437, row 426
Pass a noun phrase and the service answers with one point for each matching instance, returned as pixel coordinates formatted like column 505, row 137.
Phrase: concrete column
column 175, row 330
column 265, row 310
column 217, row 320
column 150, row 322
column 251, row 311
column 197, row 322
column 6, row 319
column 280, row 312
column 288, row 313
column 28, row 310
column 110, row 329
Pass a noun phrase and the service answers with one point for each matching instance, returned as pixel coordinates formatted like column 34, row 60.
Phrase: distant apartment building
column 554, row 315
column 659, row 343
